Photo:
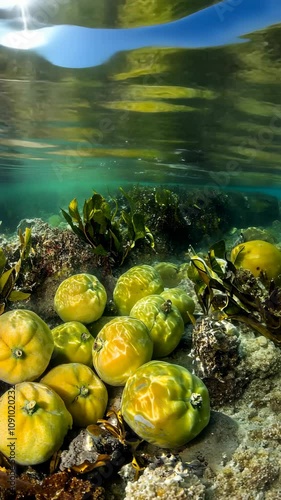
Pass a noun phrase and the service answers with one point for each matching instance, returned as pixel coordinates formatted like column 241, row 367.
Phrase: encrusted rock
column 91, row 447
column 81, row 448
column 261, row 357
column 168, row 479
column 215, row 349
column 251, row 470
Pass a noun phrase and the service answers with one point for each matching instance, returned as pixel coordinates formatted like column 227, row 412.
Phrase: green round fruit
column 80, row 297
column 258, row 256
column 181, row 300
column 165, row 404
column 137, row 282
column 120, row 347
column 73, row 343
column 163, row 321
column 169, row 273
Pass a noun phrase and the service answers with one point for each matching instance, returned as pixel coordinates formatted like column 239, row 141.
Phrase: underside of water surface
column 147, row 132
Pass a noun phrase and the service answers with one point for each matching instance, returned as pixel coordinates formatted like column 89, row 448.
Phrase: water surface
column 97, row 94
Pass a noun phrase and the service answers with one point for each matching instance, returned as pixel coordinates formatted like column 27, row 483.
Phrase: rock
column 169, row 479
column 215, row 349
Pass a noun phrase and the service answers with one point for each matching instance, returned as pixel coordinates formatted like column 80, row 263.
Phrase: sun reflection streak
column 24, row 13
column 21, row 4
column 24, row 39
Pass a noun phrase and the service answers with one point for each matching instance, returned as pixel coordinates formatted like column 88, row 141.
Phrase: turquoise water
column 96, row 94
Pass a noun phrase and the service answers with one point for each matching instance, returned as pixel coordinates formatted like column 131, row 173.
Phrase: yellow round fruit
column 165, row 404
column 121, row 346
column 26, row 346
column 84, row 394
column 33, row 423
column 163, row 321
column 258, row 256
column 181, row 300
column 137, row 282
column 80, row 297
column 73, row 344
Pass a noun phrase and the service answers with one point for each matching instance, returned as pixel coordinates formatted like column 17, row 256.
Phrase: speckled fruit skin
column 165, row 329
column 40, row 419
column 165, row 404
column 26, row 346
column 257, row 256
column 80, row 297
column 121, row 346
column 84, row 394
column 137, row 282
column 181, row 300
column 73, row 344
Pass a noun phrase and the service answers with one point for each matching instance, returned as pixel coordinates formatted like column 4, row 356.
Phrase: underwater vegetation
column 234, row 293
column 111, row 232
column 177, row 217
column 8, row 277
column 162, row 219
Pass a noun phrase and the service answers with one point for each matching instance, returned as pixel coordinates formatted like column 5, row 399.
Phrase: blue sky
column 224, row 23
